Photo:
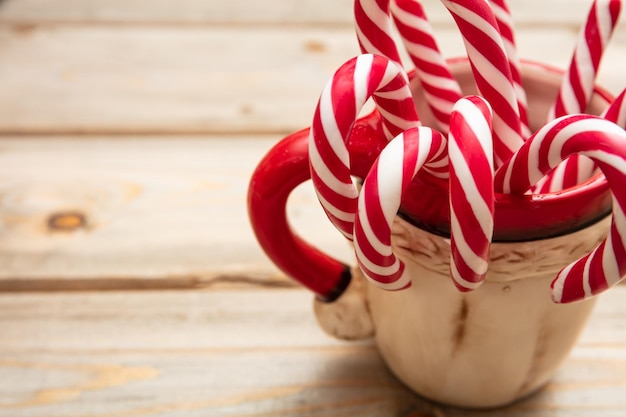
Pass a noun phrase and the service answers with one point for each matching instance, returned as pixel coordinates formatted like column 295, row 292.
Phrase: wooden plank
column 147, row 80
column 159, row 80
column 326, row 12
column 255, row 353
column 165, row 211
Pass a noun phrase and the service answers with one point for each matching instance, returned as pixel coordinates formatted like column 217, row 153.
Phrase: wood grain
column 168, row 208
column 244, row 353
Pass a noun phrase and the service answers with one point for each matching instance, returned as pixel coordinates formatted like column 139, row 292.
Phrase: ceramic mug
column 484, row 348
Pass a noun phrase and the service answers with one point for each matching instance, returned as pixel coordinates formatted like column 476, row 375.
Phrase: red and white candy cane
column 379, row 201
column 605, row 143
column 470, row 153
column 441, row 90
column 492, row 73
column 505, row 24
column 616, row 112
column 338, row 107
column 373, row 29
column 471, row 201
column 583, row 168
column 577, row 87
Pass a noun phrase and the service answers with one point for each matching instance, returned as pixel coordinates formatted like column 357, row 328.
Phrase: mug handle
column 282, row 169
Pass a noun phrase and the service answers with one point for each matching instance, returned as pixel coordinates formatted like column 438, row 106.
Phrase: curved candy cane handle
column 380, row 199
column 605, row 143
column 339, row 105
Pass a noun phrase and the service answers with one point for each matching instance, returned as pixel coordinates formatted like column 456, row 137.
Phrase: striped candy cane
column 616, row 112
column 577, row 87
column 338, row 107
column 441, row 90
column 490, row 65
column 505, row 25
column 373, row 29
column 379, row 202
column 605, row 143
column 470, row 150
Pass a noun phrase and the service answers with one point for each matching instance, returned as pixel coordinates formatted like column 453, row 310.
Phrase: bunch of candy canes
column 481, row 144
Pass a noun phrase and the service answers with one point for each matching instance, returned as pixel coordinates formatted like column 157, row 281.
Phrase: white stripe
column 445, row 106
column 559, row 283
column 476, row 263
column 510, row 138
column 568, row 98
column 362, row 72
column 496, row 78
column 609, row 263
column 376, row 15
column 409, row 19
column 327, row 177
column 501, row 15
column 460, row 280
column 620, row 221
column 401, row 123
column 590, row 126
column 586, row 74
column 364, row 222
column 557, row 175
column 438, row 81
column 585, row 278
column 390, row 176
column 477, row 21
column 401, row 282
column 534, row 174
column 333, row 210
column 367, row 45
column 478, row 124
column 330, row 127
column 375, row 268
column 605, row 23
column 586, row 169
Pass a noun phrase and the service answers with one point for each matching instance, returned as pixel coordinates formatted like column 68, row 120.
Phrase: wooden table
column 130, row 283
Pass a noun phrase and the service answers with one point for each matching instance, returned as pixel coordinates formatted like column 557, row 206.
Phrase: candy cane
column 505, row 25
column 582, row 168
column 486, row 52
column 441, row 90
column 577, row 87
column 379, row 201
column 471, row 189
column 616, row 112
column 605, row 143
column 338, row 107
column 470, row 150
column 373, row 29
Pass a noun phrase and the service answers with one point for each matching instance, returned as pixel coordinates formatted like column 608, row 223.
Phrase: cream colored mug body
column 485, row 348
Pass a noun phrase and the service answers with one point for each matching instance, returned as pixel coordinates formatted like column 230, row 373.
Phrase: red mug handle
column 282, row 169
